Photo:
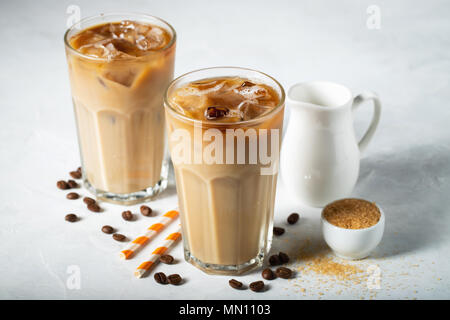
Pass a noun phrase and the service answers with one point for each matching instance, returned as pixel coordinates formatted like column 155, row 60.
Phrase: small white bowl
column 353, row 244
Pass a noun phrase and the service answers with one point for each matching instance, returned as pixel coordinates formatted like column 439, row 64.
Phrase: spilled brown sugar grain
column 352, row 213
column 324, row 265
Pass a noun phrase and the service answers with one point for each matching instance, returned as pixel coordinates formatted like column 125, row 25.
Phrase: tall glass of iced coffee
column 119, row 68
column 224, row 128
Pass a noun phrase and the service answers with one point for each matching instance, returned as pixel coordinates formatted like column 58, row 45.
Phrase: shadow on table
column 412, row 187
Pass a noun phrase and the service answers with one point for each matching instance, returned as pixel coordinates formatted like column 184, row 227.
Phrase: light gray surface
column 406, row 169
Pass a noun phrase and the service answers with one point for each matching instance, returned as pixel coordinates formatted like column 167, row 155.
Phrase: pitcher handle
column 357, row 101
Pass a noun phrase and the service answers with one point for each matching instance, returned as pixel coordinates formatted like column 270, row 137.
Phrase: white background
column 405, row 170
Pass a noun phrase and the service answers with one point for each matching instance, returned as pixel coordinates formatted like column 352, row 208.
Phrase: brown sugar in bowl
column 352, row 228
column 352, row 213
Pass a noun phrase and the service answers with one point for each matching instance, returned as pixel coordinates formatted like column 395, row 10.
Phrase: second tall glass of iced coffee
column 224, row 128
column 119, row 68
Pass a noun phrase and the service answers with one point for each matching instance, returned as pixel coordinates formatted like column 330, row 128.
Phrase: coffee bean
column 75, row 174
column 72, row 184
column 88, row 200
column 283, row 272
column 235, row 284
column 118, row 237
column 79, row 169
column 93, row 207
column 214, row 112
column 293, row 218
column 72, row 196
column 108, row 229
column 257, row 286
column 161, row 278
column 61, row 184
column 146, row 211
column 71, row 217
column 174, row 279
column 166, row 258
column 268, row 274
column 274, row 260
column 278, row 231
column 284, row 258
column 127, row 215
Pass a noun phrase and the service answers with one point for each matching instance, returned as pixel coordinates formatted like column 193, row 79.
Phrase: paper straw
column 146, row 265
column 151, row 232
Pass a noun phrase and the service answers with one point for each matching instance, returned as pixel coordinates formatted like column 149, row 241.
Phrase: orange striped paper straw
column 151, row 232
column 158, row 252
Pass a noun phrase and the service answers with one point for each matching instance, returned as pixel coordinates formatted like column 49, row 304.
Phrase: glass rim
column 168, row 105
column 143, row 15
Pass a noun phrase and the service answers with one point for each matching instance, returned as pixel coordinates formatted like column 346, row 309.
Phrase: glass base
column 134, row 197
column 219, row 269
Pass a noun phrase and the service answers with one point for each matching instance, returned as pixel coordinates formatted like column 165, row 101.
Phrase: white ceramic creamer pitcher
column 320, row 155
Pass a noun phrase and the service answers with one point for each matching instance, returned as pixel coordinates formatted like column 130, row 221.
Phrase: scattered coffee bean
column 75, row 174
column 268, row 274
column 174, row 279
column 235, row 284
column 71, row 217
column 72, row 196
column 166, row 258
column 93, row 207
column 278, row 231
column 283, row 272
column 88, row 200
column 274, row 260
column 108, row 229
column 257, row 286
column 161, row 278
column 118, row 237
column 146, row 211
column 127, row 215
column 212, row 113
column 79, row 169
column 293, row 218
column 62, row 185
column 284, row 258
column 72, row 184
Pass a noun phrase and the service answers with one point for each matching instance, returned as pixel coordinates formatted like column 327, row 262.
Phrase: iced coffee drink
column 224, row 128
column 119, row 68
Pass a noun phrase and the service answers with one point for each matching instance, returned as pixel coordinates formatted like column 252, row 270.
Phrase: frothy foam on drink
column 224, row 99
